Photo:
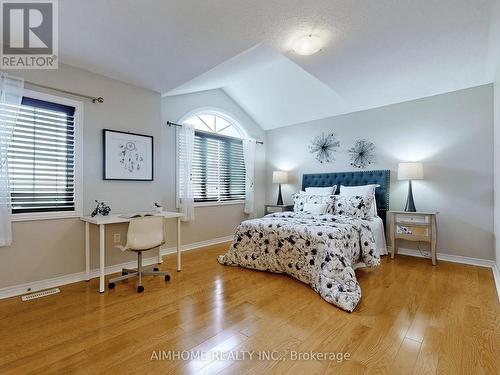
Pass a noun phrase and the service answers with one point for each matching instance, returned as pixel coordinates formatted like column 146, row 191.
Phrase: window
column 218, row 167
column 42, row 159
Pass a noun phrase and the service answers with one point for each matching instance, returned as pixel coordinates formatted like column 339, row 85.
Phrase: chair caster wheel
column 167, row 277
column 140, row 289
column 111, row 285
column 156, row 269
column 124, row 273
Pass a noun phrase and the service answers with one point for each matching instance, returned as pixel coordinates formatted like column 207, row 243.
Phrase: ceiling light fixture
column 307, row 45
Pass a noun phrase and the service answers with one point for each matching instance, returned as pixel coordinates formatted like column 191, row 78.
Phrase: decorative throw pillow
column 329, row 190
column 356, row 206
column 315, row 208
column 362, row 190
column 300, row 199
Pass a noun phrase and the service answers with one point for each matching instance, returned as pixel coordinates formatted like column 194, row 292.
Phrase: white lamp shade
column 410, row 171
column 280, row 177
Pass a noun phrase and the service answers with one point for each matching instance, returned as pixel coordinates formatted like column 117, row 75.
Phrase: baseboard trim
column 446, row 257
column 196, row 245
column 496, row 276
column 456, row 259
column 16, row 290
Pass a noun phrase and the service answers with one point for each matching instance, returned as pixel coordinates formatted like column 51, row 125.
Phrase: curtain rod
column 95, row 99
column 170, row 123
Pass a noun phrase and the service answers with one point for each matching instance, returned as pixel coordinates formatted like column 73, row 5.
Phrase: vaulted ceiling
column 376, row 52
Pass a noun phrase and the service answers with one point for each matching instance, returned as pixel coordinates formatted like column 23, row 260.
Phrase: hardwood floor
column 413, row 318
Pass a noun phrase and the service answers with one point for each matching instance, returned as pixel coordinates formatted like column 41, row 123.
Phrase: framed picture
column 127, row 156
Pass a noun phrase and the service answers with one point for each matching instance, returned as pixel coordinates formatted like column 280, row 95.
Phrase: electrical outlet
column 116, row 238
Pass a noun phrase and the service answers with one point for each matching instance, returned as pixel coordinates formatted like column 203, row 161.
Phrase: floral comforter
column 320, row 250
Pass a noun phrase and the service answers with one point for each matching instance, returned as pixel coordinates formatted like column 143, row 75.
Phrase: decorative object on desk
column 127, row 156
column 362, row 153
column 323, row 147
column 410, row 171
column 101, row 209
column 158, row 208
column 280, row 177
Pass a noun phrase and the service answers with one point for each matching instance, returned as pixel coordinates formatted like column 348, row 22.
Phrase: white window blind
column 218, row 168
column 42, row 158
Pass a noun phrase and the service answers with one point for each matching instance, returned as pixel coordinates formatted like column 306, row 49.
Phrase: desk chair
column 144, row 233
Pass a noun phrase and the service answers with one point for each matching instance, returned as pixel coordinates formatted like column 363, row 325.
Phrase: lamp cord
column 421, row 252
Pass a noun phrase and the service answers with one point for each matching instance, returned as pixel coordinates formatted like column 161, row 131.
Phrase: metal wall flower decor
column 362, row 153
column 324, row 146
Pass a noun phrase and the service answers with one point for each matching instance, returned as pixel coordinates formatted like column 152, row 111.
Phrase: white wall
column 212, row 221
column 49, row 248
column 451, row 133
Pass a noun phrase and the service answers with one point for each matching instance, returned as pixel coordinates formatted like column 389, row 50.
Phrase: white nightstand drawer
column 417, row 219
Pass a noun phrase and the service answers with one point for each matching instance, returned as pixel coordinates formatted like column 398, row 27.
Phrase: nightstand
column 272, row 208
column 413, row 226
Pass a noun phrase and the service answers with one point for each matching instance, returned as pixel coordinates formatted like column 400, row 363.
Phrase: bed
column 321, row 250
column 380, row 177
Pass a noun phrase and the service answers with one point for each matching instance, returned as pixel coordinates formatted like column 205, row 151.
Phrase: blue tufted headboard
column 355, row 179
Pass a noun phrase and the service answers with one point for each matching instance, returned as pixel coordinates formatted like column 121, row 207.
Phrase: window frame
column 236, row 124
column 78, row 126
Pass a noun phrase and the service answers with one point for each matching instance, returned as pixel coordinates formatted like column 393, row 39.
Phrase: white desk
column 102, row 221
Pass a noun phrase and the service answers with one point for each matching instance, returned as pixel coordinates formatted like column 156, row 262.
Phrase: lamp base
column 410, row 204
column 280, row 198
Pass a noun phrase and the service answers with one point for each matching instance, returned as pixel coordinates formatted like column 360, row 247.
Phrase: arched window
column 218, row 171
column 214, row 124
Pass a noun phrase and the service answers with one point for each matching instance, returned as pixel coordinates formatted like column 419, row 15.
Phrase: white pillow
column 363, row 190
column 355, row 206
column 315, row 208
column 329, row 190
column 300, row 199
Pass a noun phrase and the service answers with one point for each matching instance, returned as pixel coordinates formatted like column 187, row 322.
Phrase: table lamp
column 410, row 171
column 280, row 177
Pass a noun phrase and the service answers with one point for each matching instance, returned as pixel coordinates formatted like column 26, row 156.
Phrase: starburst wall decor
column 362, row 153
column 324, row 146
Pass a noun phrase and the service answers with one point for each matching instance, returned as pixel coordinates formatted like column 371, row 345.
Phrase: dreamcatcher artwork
column 127, row 156
column 324, row 146
column 130, row 157
column 362, row 154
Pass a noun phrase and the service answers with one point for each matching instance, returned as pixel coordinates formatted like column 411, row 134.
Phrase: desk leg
column 160, row 260
column 178, row 244
column 87, row 251
column 102, row 245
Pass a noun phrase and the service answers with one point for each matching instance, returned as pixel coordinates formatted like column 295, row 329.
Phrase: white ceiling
column 271, row 88
column 376, row 52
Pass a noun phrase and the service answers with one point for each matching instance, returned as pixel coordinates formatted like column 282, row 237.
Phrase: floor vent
column 40, row 294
